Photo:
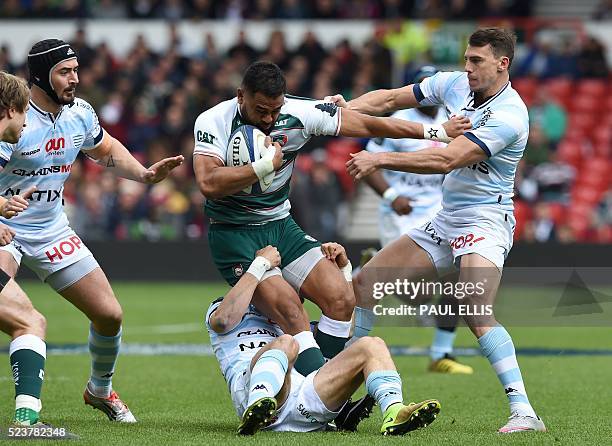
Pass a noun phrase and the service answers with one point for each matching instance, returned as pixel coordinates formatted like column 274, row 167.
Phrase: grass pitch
column 184, row 400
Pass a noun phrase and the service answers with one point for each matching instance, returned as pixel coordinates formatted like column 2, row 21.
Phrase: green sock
column 309, row 360
column 25, row 416
column 330, row 345
column 28, row 371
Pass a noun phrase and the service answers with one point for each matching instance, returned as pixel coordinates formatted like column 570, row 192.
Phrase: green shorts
column 233, row 247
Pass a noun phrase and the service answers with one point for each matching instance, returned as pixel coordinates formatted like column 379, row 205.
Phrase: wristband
column 390, row 195
column 263, row 166
column 259, row 266
column 347, row 270
column 435, row 132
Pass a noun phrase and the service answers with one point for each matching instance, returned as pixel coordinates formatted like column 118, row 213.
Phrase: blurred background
column 150, row 67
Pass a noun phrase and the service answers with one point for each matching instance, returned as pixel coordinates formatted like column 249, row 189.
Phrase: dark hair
column 501, row 41
column 266, row 78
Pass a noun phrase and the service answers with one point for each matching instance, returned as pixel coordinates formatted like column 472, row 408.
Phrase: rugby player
column 59, row 126
column 257, row 361
column 474, row 229
column 241, row 223
column 408, row 201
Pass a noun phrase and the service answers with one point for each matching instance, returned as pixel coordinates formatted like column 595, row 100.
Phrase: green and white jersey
column 299, row 120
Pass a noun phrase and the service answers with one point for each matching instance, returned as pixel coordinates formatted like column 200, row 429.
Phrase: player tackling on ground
column 257, row 358
column 59, row 125
column 475, row 227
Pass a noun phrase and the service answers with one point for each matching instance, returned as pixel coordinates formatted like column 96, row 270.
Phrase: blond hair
column 14, row 93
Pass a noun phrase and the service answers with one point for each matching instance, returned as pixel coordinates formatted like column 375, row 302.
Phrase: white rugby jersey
column 300, row 119
column 235, row 349
column 43, row 158
column 500, row 126
column 424, row 190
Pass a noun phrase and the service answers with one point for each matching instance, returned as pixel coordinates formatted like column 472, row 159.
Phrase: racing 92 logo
column 55, row 144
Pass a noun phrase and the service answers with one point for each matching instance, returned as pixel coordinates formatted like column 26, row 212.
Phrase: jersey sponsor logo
column 64, row 248
column 306, row 414
column 38, row 195
column 259, row 331
column 328, row 107
column 484, row 118
column 55, row 144
column 281, row 139
column 205, row 137
column 412, row 180
column 252, row 345
column 65, row 168
column 310, row 238
column 482, row 167
column 31, row 152
column 465, row 240
column 432, row 233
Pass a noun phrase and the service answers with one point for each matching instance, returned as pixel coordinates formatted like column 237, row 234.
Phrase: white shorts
column 392, row 226
column 48, row 255
column 302, row 412
column 296, row 272
column 485, row 230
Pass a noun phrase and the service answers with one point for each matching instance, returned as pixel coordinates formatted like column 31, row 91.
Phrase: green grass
column 184, row 400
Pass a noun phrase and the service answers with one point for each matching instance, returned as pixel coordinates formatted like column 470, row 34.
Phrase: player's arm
column 461, row 152
column 110, row 153
column 399, row 203
column 13, row 206
column 358, row 125
column 236, row 302
column 379, row 102
column 336, row 253
column 216, row 180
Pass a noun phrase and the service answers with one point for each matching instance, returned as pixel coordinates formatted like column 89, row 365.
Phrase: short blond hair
column 14, row 93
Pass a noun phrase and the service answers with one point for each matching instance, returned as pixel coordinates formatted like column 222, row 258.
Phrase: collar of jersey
column 44, row 113
column 488, row 101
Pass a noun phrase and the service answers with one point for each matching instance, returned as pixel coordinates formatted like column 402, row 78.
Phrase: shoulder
column 221, row 113
column 82, row 107
column 450, row 79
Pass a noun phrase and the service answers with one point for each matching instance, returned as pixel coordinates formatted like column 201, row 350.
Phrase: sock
column 332, row 335
column 442, row 343
column 386, row 388
column 104, row 351
column 364, row 322
column 497, row 346
column 27, row 357
column 309, row 357
column 268, row 375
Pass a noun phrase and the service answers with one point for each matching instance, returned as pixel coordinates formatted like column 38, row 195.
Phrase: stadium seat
column 304, row 163
column 582, row 121
column 338, row 166
column 592, row 87
column 557, row 212
column 522, row 214
column 587, row 104
column 561, row 90
column 585, row 194
column 342, row 148
column 570, row 151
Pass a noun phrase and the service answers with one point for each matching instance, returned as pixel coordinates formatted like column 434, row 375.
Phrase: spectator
column 549, row 116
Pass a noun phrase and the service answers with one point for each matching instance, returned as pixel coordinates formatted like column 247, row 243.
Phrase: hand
column 337, row 99
column 456, row 126
column 362, row 164
column 336, row 253
column 161, row 169
column 6, row 235
column 277, row 161
column 271, row 254
column 401, row 205
column 17, row 203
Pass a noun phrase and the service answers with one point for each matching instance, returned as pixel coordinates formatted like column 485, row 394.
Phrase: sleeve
column 497, row 132
column 380, row 145
column 321, row 118
column 93, row 131
column 6, row 150
column 206, row 135
column 433, row 90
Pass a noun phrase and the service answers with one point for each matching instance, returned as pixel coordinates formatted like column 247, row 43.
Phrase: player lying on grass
column 257, row 360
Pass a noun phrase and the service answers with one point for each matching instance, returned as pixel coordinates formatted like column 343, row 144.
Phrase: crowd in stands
column 265, row 9
column 150, row 100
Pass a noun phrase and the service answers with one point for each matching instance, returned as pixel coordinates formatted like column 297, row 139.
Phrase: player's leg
column 495, row 342
column 369, row 360
column 269, row 383
column 275, row 298
column 85, row 285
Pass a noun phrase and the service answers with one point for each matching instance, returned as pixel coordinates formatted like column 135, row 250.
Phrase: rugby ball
column 246, row 145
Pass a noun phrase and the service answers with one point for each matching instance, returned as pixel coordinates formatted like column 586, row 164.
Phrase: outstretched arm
column 237, row 300
column 379, row 102
column 110, row 153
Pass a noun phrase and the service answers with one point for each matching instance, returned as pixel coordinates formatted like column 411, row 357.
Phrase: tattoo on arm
column 110, row 162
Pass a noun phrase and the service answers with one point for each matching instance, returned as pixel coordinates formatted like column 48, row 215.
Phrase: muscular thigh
column 325, row 283
column 7, row 262
column 275, row 298
column 93, row 295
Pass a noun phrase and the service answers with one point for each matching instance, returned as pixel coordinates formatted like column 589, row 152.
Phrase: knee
column 110, row 319
column 33, row 322
column 290, row 316
column 371, row 344
column 340, row 303
column 289, row 346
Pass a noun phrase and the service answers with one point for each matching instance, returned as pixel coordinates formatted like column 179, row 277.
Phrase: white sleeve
column 380, row 145
column 93, row 131
column 6, row 150
column 497, row 132
column 433, row 90
column 206, row 134
column 321, row 118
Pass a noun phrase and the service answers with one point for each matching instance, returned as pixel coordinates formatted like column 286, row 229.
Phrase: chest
column 48, row 145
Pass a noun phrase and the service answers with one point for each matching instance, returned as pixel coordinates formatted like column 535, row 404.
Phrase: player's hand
column 456, row 126
column 362, row 164
column 161, row 169
column 6, row 235
column 337, row 99
column 277, row 161
column 401, row 205
column 271, row 254
column 17, row 203
column 335, row 252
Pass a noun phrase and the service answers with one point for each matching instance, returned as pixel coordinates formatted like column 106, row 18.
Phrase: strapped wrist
column 435, row 132
column 259, row 266
column 390, row 195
